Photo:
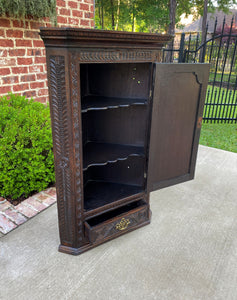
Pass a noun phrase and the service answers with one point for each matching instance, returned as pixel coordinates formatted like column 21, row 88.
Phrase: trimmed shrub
column 26, row 155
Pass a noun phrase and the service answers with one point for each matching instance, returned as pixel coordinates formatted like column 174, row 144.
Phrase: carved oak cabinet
column 123, row 126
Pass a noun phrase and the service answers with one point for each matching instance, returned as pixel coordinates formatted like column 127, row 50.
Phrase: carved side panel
column 62, row 145
column 77, row 134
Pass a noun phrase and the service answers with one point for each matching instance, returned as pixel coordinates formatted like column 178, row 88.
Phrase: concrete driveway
column 189, row 251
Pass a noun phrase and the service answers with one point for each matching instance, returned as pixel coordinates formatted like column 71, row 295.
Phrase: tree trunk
column 112, row 13
column 102, row 14
column 204, row 21
column 99, row 12
column 118, row 14
column 172, row 13
column 133, row 18
column 171, row 29
column 204, row 26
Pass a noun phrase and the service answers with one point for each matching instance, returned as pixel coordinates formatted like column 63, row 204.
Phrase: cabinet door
column 178, row 99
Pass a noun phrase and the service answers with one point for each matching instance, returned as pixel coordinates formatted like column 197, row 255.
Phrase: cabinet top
column 77, row 37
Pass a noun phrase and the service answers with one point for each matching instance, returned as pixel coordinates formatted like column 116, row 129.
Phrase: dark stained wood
column 117, row 80
column 129, row 171
column 75, row 37
column 100, row 193
column 116, row 126
column 61, row 113
column 120, row 220
column 179, row 95
column 102, row 103
column 99, row 154
column 100, row 90
column 116, row 204
column 76, row 251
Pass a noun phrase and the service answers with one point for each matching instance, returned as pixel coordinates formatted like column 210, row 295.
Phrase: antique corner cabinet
column 123, row 126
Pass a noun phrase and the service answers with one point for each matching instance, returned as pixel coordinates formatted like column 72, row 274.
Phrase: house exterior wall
column 22, row 52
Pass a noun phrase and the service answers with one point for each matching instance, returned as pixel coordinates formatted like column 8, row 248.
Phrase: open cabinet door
column 178, row 99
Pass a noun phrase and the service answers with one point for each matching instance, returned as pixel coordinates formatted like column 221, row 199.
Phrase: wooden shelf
column 103, row 103
column 98, row 193
column 99, row 154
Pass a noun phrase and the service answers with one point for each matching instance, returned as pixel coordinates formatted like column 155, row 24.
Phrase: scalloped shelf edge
column 112, row 106
column 112, row 161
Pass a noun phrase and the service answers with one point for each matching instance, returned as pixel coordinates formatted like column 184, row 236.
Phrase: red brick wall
column 22, row 52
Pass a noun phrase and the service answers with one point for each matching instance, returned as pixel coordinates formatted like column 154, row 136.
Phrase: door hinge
column 199, row 122
column 150, row 93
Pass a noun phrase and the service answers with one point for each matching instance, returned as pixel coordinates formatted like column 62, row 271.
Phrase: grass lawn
column 225, row 77
column 222, row 136
column 220, row 103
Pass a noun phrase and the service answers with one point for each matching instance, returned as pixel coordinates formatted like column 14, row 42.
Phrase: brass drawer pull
column 123, row 224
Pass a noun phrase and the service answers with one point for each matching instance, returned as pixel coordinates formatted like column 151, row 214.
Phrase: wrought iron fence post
column 181, row 48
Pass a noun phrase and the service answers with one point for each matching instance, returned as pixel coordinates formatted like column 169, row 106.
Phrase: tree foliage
column 148, row 15
column 223, row 5
column 132, row 15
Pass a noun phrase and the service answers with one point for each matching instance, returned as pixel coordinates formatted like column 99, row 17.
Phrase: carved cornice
column 103, row 34
column 79, row 36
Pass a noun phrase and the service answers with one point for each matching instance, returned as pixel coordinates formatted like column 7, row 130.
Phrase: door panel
column 178, row 100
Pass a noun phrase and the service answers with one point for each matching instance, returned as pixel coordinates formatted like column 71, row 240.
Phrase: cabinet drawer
column 116, row 222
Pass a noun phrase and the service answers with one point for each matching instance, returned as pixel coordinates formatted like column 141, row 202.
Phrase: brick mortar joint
column 11, row 218
column 48, row 195
column 32, row 26
column 32, row 207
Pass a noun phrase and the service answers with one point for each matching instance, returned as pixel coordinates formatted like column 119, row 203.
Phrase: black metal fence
column 219, row 49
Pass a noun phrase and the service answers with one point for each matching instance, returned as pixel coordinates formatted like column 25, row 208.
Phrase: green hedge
column 26, row 156
column 36, row 9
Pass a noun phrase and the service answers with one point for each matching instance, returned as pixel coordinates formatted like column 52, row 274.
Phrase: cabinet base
column 77, row 251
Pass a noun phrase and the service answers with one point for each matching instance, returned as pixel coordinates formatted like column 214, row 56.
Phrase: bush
column 26, row 156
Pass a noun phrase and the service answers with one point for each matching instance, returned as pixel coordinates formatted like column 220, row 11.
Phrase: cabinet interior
column 115, row 213
column 115, row 110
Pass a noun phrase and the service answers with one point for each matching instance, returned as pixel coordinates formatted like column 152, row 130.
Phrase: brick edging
column 12, row 216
